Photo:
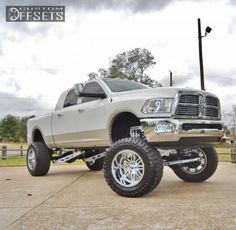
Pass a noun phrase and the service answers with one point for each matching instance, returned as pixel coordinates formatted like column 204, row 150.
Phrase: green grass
column 13, row 145
column 222, row 157
column 14, row 158
column 21, row 161
column 224, row 154
column 10, row 162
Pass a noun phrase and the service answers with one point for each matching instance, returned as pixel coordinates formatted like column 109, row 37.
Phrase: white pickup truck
column 131, row 131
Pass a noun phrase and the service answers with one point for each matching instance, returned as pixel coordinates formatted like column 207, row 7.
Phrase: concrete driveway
column 71, row 197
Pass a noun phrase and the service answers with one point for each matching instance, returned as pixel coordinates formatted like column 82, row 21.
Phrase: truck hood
column 163, row 92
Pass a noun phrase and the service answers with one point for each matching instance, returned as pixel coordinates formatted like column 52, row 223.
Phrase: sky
column 39, row 60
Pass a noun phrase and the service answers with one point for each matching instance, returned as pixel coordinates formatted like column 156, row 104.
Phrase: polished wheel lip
column 202, row 163
column 127, row 168
column 31, row 159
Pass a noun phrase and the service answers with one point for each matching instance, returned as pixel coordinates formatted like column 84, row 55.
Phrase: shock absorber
column 136, row 132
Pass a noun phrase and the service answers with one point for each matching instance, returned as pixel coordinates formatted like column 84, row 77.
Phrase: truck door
column 63, row 121
column 82, row 121
column 92, row 117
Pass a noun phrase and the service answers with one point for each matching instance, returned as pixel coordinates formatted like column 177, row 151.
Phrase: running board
column 180, row 162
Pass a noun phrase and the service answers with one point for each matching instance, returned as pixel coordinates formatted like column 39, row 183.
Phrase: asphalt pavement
column 72, row 197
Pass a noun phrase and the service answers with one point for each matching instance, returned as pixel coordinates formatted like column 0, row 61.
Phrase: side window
column 92, row 87
column 71, row 99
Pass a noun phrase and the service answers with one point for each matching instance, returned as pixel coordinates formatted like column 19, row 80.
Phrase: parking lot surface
column 72, row 197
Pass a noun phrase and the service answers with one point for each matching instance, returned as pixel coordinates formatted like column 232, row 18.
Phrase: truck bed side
column 40, row 124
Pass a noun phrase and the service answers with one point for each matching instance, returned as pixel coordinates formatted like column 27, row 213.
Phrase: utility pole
column 208, row 30
column 200, row 55
column 171, row 79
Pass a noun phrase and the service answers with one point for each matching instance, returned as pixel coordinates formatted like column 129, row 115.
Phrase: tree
column 21, row 133
column 131, row 65
column 234, row 120
column 229, row 119
column 8, row 127
column 14, row 128
column 101, row 73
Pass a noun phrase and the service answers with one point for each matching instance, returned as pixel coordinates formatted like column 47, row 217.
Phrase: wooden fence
column 21, row 152
column 13, row 152
column 229, row 150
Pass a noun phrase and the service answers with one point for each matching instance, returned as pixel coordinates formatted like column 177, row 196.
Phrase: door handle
column 81, row 110
column 60, row 115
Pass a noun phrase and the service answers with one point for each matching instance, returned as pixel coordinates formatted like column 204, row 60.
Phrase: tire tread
column 43, row 159
column 212, row 163
column 155, row 163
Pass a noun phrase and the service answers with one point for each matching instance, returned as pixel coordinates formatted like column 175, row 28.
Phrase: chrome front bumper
column 172, row 130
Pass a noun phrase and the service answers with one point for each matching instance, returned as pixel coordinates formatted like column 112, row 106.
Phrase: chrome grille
column 211, row 112
column 197, row 106
column 183, row 110
column 211, row 101
column 187, row 98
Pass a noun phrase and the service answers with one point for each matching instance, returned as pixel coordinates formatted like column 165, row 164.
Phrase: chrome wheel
column 31, row 159
column 127, row 168
column 198, row 166
column 132, row 167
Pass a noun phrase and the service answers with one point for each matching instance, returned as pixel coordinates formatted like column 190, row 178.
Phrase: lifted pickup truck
column 131, row 131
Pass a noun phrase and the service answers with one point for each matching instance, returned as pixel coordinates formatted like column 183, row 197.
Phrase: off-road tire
column 42, row 159
column 210, row 168
column 153, row 167
column 98, row 164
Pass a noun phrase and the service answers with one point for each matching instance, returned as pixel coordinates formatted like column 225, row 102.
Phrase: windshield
column 120, row 85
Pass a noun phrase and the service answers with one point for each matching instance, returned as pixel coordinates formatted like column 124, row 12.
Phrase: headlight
column 162, row 105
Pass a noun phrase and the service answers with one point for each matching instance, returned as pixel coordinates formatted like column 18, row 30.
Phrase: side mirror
column 78, row 88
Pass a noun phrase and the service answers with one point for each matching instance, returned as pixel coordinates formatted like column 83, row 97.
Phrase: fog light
column 165, row 127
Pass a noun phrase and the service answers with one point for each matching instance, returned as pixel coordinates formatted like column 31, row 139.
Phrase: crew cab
column 131, row 131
